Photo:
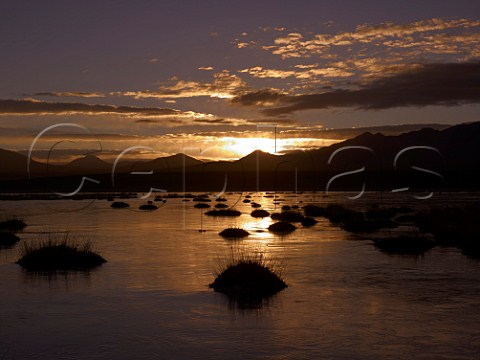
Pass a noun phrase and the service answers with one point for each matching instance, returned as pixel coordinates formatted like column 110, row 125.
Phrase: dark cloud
column 432, row 84
column 71, row 94
column 229, row 121
column 147, row 121
column 36, row 107
column 219, row 121
column 259, row 98
column 213, row 121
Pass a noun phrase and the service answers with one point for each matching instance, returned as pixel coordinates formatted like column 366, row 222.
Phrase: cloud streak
column 166, row 117
column 36, row 107
column 432, row 84
column 78, row 94
column 311, row 72
column 224, row 86
column 388, row 34
column 369, row 51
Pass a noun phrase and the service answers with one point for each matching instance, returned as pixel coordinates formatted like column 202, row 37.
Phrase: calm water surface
column 151, row 300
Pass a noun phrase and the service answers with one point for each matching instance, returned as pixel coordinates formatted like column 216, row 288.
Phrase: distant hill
column 14, row 166
column 446, row 158
column 177, row 161
column 89, row 162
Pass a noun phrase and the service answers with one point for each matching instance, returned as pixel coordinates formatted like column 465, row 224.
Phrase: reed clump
column 248, row 277
column 58, row 253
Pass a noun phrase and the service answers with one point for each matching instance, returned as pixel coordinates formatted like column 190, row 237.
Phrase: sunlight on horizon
column 240, row 147
column 212, row 149
column 244, row 146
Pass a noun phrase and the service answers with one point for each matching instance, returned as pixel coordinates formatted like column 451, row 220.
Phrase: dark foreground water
column 345, row 299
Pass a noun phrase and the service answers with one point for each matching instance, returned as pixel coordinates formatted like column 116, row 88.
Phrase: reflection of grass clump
column 12, row 224
column 201, row 206
column 221, row 206
column 248, row 278
column 234, row 233
column 58, row 254
column 259, row 213
column 8, row 239
column 282, row 227
column 223, row 212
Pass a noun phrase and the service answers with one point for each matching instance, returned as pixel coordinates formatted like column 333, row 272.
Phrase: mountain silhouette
column 90, row 162
column 14, row 166
column 419, row 159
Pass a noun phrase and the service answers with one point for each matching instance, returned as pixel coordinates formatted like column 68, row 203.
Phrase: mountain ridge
column 453, row 151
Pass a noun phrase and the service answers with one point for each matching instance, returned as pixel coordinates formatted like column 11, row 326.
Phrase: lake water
column 151, row 300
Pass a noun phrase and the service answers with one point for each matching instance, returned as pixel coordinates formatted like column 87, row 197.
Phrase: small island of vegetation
column 58, row 255
column 248, row 278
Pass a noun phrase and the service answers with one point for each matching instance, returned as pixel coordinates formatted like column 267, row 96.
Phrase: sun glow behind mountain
column 238, row 147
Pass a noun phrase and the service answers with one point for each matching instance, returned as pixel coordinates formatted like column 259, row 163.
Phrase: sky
column 219, row 79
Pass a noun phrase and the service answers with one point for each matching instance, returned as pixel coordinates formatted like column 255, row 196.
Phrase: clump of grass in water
column 259, row 213
column 234, row 233
column 223, row 212
column 58, row 253
column 282, row 227
column 288, row 216
column 119, row 205
column 248, row 278
column 404, row 243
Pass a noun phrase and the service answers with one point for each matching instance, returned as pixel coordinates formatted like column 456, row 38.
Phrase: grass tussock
column 308, row 221
column 248, row 277
column 288, row 216
column 234, row 233
column 223, row 212
column 405, row 243
column 458, row 227
column 202, row 198
column 356, row 221
column 282, row 227
column 148, row 207
column 119, row 205
column 58, row 253
column 314, row 211
column 259, row 213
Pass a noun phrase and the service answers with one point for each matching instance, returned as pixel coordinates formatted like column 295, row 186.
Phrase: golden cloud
column 386, row 34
